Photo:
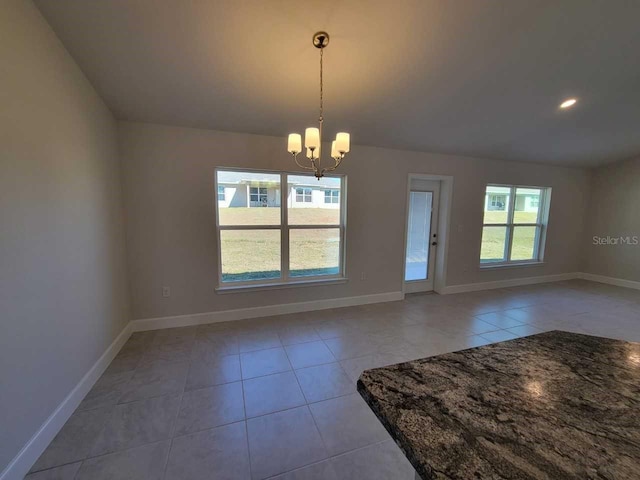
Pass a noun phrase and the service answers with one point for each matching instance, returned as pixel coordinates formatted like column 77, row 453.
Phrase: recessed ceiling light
column 568, row 103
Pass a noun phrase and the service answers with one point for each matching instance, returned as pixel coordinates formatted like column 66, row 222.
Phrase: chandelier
column 313, row 136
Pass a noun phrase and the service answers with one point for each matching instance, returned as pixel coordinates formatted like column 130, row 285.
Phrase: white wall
column 63, row 289
column 614, row 212
column 169, row 174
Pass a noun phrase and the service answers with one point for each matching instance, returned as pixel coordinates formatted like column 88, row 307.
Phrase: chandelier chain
column 321, row 84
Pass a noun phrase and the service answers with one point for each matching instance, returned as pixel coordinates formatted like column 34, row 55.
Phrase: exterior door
column 422, row 235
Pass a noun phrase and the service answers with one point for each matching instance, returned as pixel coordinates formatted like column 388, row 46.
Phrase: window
column 282, row 242
column 498, row 202
column 332, row 196
column 514, row 227
column 221, row 197
column 258, row 195
column 303, row 195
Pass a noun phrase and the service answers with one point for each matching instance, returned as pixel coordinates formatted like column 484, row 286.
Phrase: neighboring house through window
column 515, row 225
column 221, row 197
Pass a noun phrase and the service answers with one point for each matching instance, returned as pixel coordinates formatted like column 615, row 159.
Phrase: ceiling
column 481, row 78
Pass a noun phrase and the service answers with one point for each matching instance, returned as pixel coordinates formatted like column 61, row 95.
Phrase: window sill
column 278, row 286
column 511, row 265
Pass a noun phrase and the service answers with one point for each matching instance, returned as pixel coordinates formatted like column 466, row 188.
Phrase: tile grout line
column 246, row 426
column 175, row 424
column 110, row 414
column 315, row 423
column 332, row 457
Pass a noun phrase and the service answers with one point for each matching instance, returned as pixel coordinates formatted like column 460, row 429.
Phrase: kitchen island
column 556, row 405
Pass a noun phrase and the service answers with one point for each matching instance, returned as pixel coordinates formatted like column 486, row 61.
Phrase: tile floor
column 276, row 398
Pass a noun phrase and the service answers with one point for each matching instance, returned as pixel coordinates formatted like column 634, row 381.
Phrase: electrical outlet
column 166, row 292
column 363, row 276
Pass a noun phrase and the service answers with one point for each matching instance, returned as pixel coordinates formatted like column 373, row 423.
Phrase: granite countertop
column 556, row 405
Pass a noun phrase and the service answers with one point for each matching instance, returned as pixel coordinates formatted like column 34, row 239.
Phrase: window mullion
column 284, row 227
column 249, row 227
column 510, row 220
column 509, row 243
column 512, row 205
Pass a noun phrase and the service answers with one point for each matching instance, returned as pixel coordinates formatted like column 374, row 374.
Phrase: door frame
column 444, row 220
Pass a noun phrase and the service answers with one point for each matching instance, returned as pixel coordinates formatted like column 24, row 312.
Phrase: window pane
column 496, row 204
column 527, row 205
column 307, row 200
column 332, row 196
column 524, row 241
column 250, row 255
column 250, row 198
column 418, row 236
column 493, row 244
column 314, row 252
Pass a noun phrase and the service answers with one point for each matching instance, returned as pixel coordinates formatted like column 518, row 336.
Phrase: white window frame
column 285, row 280
column 540, row 224
column 333, row 199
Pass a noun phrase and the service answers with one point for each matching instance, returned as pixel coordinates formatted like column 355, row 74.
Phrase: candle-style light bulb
column 295, row 143
column 312, row 137
column 343, row 141
column 334, row 151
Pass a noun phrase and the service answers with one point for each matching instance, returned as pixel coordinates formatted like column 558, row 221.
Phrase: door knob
column 434, row 243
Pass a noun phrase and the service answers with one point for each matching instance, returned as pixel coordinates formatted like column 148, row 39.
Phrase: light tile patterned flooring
column 276, row 398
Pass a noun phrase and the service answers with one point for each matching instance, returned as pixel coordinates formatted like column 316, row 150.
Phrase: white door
column 422, row 235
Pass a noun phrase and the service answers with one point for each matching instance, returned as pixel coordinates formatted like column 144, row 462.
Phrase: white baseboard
column 24, row 460
column 619, row 282
column 515, row 282
column 255, row 312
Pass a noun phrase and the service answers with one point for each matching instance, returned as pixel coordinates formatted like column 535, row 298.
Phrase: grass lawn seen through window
column 493, row 238
column 255, row 254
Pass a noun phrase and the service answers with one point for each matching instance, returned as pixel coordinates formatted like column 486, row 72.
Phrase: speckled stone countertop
column 556, row 405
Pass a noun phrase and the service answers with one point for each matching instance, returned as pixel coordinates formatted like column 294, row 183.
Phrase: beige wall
column 171, row 237
column 614, row 212
column 63, row 289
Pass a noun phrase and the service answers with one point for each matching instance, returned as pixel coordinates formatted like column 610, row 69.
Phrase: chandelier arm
column 331, row 169
column 295, row 158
